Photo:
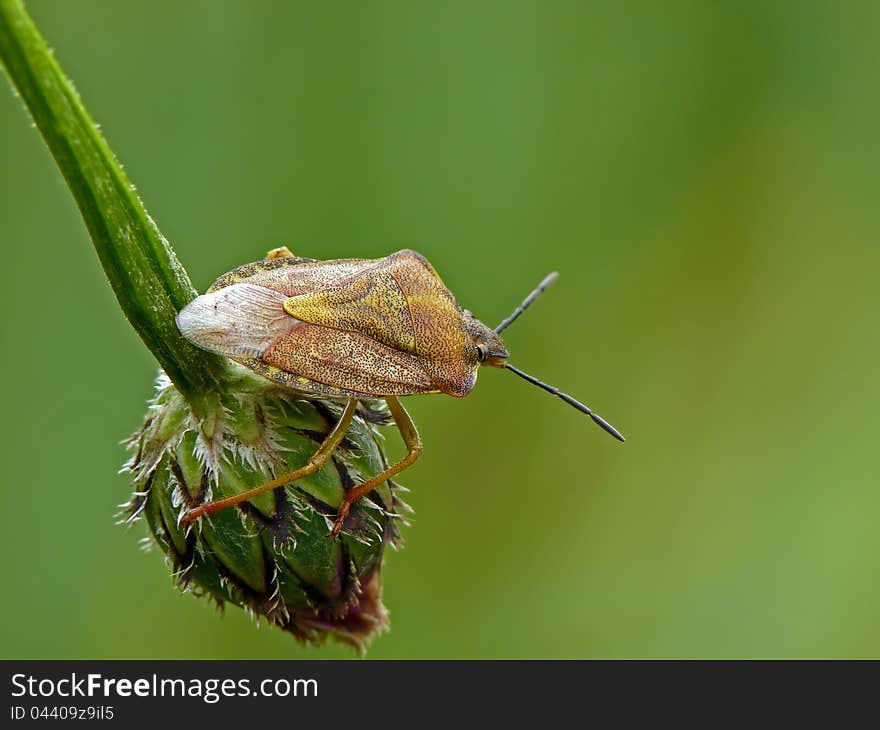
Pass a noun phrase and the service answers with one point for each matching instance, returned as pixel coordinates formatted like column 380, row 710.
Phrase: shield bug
column 352, row 329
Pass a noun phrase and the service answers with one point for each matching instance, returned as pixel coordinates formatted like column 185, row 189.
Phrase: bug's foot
column 340, row 518
column 189, row 517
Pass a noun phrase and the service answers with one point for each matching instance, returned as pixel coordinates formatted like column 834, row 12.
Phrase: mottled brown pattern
column 291, row 276
column 349, row 360
column 447, row 349
column 271, row 270
column 369, row 327
column 373, row 305
column 296, row 382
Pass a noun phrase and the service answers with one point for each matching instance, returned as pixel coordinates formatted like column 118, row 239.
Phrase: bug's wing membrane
column 240, row 320
column 350, row 363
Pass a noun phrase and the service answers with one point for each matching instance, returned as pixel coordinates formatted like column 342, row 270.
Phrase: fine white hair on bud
column 240, row 320
column 272, row 556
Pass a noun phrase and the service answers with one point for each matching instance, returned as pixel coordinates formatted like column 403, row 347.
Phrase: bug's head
column 489, row 348
column 493, row 352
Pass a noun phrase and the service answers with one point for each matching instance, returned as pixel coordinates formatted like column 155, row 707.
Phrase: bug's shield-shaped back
column 362, row 327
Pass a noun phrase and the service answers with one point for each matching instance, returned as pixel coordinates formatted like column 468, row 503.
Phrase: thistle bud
column 273, row 555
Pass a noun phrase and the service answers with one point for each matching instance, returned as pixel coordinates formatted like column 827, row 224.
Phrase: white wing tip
column 240, row 320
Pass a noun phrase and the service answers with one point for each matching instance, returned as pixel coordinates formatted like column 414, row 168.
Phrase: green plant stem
column 149, row 282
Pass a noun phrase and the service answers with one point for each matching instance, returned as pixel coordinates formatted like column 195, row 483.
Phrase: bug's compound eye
column 482, row 352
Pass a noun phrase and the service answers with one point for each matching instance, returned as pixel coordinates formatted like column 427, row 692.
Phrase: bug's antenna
column 567, row 398
column 527, row 302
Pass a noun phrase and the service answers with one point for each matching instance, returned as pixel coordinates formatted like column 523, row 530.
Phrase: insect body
column 354, row 329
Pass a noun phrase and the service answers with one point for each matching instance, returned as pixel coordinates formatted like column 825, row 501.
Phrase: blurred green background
column 704, row 176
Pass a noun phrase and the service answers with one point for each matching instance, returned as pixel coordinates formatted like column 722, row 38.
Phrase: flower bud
column 272, row 555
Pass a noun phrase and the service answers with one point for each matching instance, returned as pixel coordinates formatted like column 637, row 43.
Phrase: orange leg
column 315, row 463
column 414, row 447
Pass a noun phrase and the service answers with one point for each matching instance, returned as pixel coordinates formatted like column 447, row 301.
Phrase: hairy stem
column 149, row 282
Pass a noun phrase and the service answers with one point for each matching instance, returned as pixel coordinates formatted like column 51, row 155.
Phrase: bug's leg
column 414, row 447
column 279, row 253
column 315, row 463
